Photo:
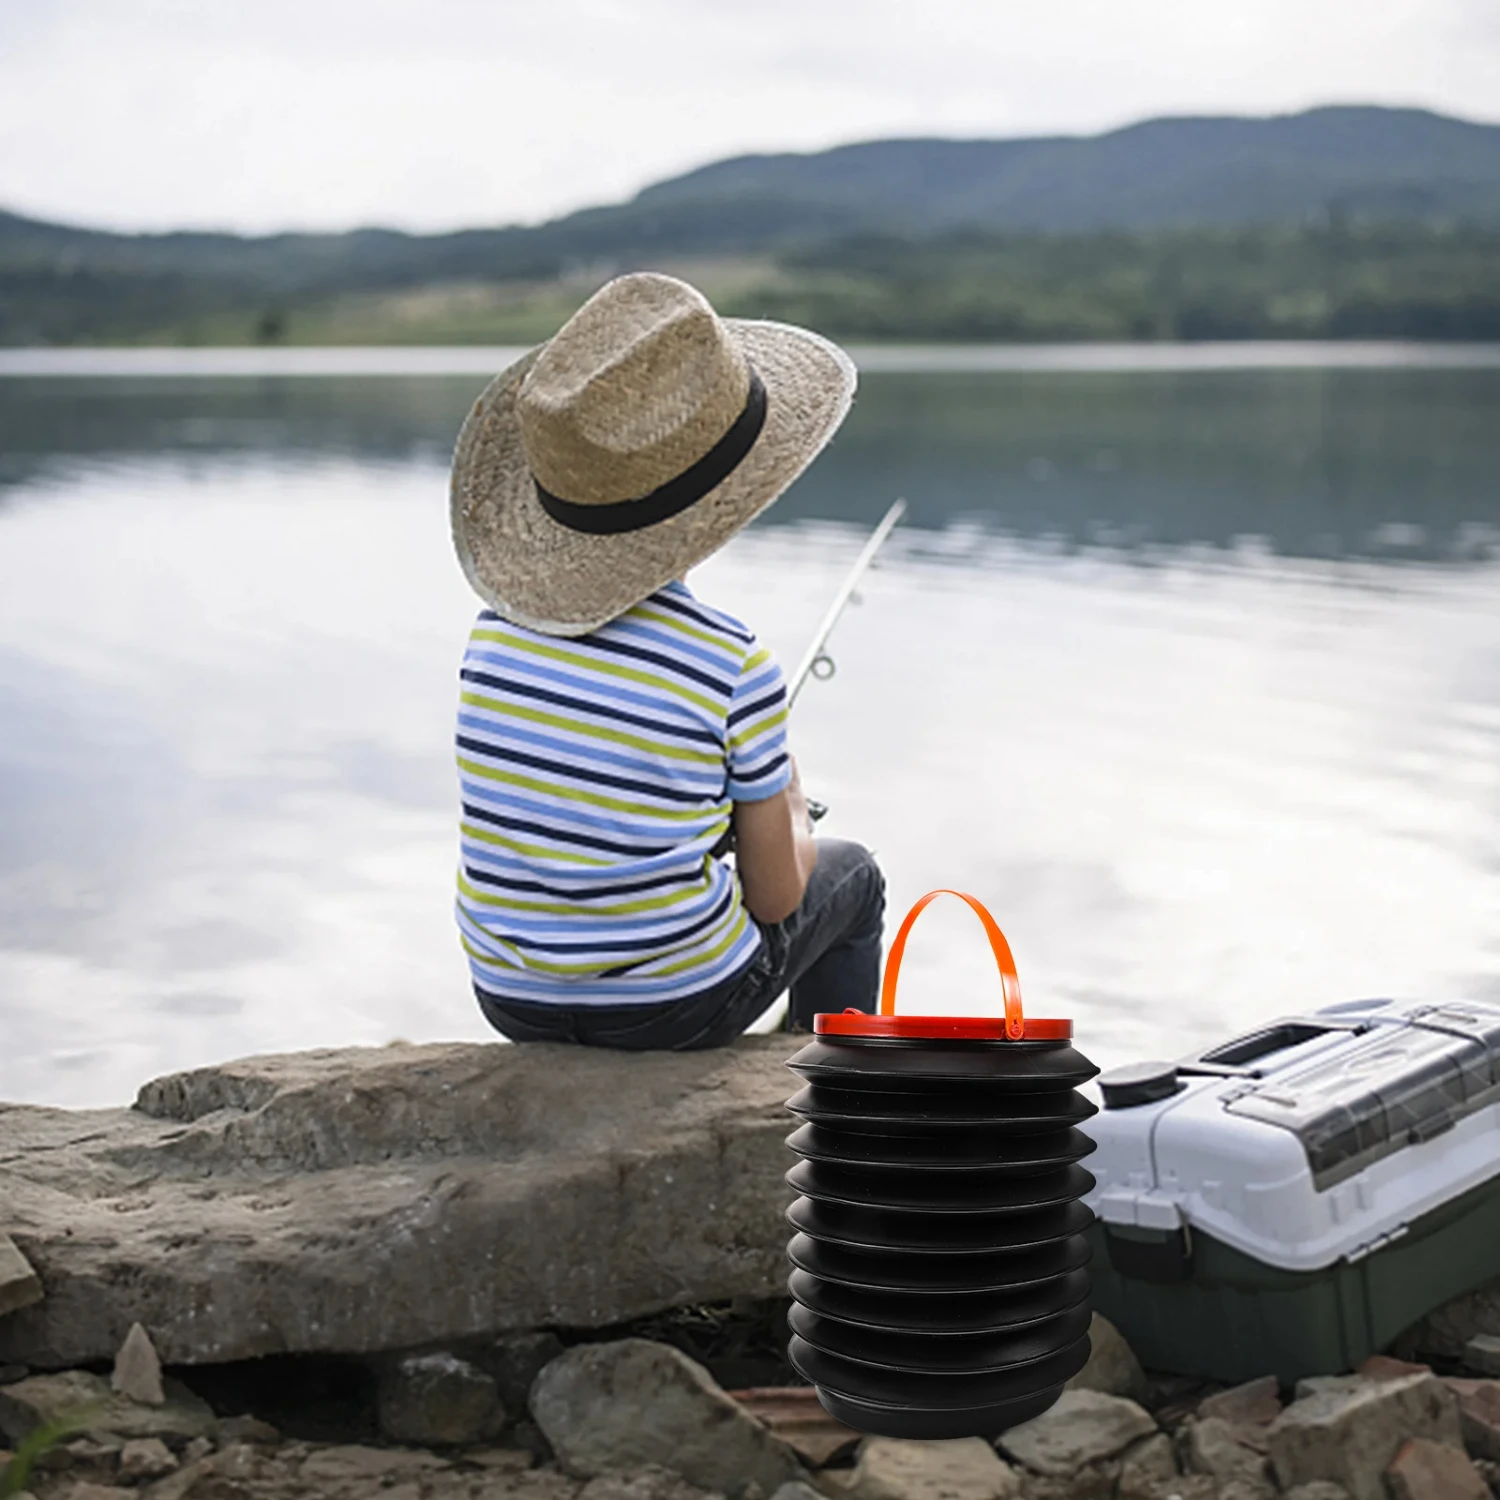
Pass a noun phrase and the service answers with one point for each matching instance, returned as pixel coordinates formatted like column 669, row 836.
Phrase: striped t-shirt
column 597, row 774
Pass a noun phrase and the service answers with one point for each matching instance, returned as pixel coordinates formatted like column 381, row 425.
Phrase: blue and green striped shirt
column 597, row 773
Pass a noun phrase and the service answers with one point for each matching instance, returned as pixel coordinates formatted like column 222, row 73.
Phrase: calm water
column 1192, row 673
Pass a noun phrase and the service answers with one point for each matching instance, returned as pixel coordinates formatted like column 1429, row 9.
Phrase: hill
column 776, row 231
column 1350, row 162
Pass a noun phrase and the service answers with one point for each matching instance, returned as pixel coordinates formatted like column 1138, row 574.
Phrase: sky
column 435, row 114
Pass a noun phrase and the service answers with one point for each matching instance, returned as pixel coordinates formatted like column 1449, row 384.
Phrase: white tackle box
column 1292, row 1199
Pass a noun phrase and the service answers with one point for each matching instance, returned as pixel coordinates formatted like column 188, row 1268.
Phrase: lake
column 1187, row 663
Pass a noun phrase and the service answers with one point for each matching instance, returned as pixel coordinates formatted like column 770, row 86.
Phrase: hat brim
column 538, row 573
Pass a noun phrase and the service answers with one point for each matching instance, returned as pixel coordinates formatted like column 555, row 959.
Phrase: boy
column 612, row 728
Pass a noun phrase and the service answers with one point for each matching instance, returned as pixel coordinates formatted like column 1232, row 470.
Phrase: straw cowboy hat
column 648, row 431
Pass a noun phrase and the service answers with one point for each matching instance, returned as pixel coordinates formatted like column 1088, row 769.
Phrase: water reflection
column 1245, row 779
column 1378, row 462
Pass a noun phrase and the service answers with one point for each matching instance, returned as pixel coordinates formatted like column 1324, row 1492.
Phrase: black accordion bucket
column 939, row 1262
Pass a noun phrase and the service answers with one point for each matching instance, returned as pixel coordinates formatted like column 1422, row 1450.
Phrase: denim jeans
column 827, row 953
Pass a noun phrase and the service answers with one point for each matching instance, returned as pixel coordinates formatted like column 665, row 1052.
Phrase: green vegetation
column 1382, row 281
column 15, row 1476
column 1375, row 282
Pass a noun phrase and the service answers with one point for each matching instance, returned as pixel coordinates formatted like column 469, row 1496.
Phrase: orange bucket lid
column 1013, row 1026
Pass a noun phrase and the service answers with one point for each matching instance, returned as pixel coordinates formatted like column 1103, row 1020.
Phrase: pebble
column 1214, row 1446
column 145, row 1458
column 137, row 1373
column 1256, row 1403
column 439, row 1400
column 616, row 1407
column 20, row 1286
column 247, row 1429
column 1081, row 1428
column 1146, row 1465
column 1112, row 1367
column 1424, row 1470
column 1482, row 1353
column 1349, row 1430
column 959, row 1469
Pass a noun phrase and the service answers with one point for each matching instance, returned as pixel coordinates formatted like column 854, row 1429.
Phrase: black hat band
column 676, row 495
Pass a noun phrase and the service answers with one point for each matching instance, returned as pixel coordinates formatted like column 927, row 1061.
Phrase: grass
column 16, row 1475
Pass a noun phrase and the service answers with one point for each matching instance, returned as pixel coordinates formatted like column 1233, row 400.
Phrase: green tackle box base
column 1215, row 1312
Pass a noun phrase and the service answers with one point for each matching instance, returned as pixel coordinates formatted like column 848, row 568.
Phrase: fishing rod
column 817, row 662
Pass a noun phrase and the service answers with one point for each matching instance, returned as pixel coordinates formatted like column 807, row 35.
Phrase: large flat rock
column 385, row 1198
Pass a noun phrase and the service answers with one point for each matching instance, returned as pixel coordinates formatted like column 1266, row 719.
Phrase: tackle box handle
column 1015, row 1021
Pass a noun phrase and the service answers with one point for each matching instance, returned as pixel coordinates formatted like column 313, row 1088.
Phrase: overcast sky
column 270, row 114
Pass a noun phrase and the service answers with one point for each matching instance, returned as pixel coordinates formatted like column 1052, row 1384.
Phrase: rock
column 247, row 1429
column 624, row 1405
column 1322, row 1385
column 798, row 1489
column 1257, row 1403
column 1349, row 1431
column 1478, row 1415
column 381, row 1199
column 1082, row 1427
column 9, row 1374
column 137, row 1373
column 85, row 1489
column 199, row 1447
column 54, row 1459
column 1424, row 1470
column 90, row 1458
column 500, row 1460
column 1247, row 1487
column 145, row 1458
column 1317, row 1489
column 960, row 1469
column 183, row 1485
column 649, row 1483
column 1183, row 1487
column 86, row 1401
column 1096, row 1481
column 797, row 1417
column 1112, row 1367
column 1387, row 1367
column 1146, row 1465
column 438, row 1400
column 1213, row 1446
column 1482, row 1353
column 1447, row 1331
column 20, row 1286
column 1490, row 1472
column 356, row 1469
column 516, row 1360
column 528, row 1436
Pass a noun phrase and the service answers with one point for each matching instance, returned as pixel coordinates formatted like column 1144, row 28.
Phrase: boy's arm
column 774, row 851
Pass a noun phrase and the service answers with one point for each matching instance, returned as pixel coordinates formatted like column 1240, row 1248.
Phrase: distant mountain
column 1340, row 166
column 1349, row 161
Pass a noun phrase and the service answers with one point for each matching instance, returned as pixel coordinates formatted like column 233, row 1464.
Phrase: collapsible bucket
column 940, row 1285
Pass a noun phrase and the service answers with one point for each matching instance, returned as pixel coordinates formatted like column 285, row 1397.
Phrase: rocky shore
column 470, row 1272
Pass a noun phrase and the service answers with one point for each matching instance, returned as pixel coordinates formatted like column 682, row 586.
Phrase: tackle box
column 1291, row 1200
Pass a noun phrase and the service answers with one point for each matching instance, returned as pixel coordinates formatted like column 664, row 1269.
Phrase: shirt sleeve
column 758, row 763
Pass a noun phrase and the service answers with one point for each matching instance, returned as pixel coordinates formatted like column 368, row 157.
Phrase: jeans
column 827, row 953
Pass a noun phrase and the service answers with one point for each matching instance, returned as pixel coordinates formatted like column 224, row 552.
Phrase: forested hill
column 793, row 232
column 1354, row 161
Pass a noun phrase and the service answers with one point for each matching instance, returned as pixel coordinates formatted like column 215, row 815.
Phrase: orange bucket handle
column 1015, row 1021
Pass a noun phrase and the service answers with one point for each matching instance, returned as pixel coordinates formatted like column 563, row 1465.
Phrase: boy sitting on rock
column 612, row 727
